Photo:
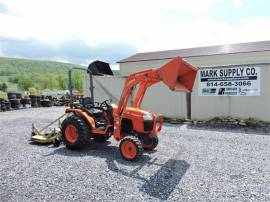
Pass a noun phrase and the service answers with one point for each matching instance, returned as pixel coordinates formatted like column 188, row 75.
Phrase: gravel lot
column 191, row 163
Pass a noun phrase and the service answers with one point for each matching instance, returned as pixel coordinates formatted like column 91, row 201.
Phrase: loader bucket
column 99, row 68
column 178, row 75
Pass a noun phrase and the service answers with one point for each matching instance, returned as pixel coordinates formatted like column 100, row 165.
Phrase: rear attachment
column 52, row 137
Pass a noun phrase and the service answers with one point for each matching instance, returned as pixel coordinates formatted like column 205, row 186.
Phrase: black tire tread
column 154, row 145
column 138, row 144
column 84, row 133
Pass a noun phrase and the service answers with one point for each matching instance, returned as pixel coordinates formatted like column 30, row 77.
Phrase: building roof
column 201, row 51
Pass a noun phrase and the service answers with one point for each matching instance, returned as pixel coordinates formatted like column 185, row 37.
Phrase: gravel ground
column 191, row 163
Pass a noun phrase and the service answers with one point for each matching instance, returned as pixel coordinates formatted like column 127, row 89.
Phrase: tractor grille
column 148, row 125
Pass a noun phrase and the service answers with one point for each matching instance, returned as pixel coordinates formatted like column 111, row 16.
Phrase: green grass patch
column 3, row 94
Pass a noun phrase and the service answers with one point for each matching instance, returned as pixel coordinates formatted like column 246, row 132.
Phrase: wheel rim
column 129, row 149
column 71, row 133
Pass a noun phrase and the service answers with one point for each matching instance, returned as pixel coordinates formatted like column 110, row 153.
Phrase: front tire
column 130, row 148
column 150, row 144
column 75, row 133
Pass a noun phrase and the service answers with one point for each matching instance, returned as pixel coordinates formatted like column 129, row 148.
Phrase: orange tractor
column 136, row 129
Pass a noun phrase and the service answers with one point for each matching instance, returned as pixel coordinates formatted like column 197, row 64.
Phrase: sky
column 81, row 31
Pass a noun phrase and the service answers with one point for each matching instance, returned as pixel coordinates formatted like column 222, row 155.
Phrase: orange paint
column 177, row 74
column 128, row 149
column 71, row 133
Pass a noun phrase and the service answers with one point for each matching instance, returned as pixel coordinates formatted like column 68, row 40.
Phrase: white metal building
column 225, row 85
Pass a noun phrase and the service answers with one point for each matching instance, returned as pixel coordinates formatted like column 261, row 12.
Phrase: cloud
column 87, row 29
column 92, row 21
column 3, row 8
column 238, row 3
column 75, row 51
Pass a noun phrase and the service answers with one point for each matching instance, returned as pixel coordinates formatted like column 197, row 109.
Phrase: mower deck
column 46, row 138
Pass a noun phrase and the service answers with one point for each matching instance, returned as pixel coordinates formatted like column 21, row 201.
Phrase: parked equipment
column 136, row 129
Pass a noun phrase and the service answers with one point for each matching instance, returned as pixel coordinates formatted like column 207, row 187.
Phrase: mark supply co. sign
column 230, row 81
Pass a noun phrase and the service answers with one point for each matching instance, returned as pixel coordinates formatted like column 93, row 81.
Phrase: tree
column 4, row 87
column 46, row 81
column 77, row 81
column 32, row 91
column 25, row 82
column 62, row 82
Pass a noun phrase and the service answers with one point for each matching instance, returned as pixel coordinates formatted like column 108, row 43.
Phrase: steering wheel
column 105, row 104
column 96, row 104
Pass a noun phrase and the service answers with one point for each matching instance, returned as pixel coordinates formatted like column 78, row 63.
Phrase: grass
column 4, row 78
column 3, row 94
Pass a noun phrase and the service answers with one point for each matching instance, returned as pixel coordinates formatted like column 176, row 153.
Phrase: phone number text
column 229, row 83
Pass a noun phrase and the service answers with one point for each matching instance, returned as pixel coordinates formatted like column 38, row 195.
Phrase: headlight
column 147, row 117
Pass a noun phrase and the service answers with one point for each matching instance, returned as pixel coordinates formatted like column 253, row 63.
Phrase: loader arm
column 177, row 74
column 142, row 78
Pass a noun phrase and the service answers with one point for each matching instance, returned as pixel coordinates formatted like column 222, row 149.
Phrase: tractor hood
column 133, row 110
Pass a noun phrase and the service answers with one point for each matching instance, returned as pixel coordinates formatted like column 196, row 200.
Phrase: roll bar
column 96, row 68
column 70, row 85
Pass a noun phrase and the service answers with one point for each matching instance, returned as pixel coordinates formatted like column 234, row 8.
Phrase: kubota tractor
column 136, row 129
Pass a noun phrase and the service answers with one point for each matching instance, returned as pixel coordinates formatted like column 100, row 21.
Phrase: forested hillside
column 36, row 75
column 11, row 66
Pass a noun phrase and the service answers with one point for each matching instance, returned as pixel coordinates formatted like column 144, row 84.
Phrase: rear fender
column 89, row 119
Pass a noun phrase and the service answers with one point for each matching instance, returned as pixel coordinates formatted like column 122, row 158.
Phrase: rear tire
column 75, row 133
column 130, row 148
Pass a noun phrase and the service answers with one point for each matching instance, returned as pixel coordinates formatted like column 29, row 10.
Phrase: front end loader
column 135, row 128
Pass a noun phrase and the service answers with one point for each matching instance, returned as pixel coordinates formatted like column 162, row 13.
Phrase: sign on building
column 230, row 81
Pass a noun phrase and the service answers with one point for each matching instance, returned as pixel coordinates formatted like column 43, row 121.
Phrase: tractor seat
column 86, row 102
column 95, row 112
column 90, row 107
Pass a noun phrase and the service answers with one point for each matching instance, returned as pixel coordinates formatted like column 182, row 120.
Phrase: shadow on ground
column 164, row 181
column 160, row 185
